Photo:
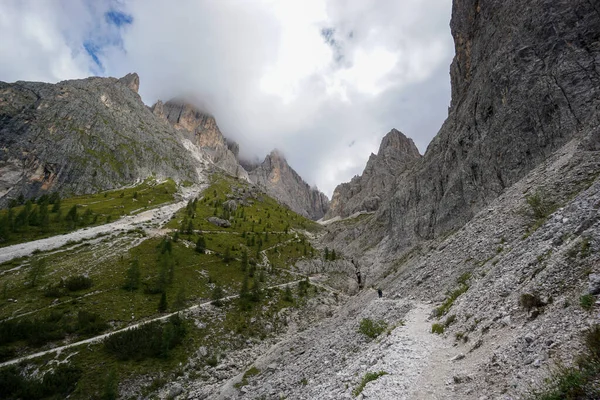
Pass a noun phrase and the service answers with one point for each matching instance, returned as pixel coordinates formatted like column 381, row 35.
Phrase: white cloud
column 307, row 77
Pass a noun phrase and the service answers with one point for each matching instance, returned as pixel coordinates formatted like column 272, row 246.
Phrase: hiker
column 380, row 292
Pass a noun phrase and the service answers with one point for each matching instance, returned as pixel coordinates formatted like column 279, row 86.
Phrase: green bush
column 154, row 339
column 369, row 377
column 445, row 307
column 579, row 381
column 78, row 282
column 371, row 328
column 587, row 302
column 529, row 301
column 56, row 384
column 437, row 328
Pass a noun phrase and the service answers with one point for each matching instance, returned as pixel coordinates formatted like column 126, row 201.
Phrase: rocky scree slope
column 283, row 183
column 365, row 192
column 525, row 81
column 202, row 130
column 84, row 136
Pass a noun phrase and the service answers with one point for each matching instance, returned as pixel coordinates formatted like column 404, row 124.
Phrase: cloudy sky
column 321, row 80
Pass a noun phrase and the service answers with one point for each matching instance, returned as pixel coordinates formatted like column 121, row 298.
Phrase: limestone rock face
column 283, row 183
column 83, row 136
column 524, row 82
column 365, row 192
column 202, row 129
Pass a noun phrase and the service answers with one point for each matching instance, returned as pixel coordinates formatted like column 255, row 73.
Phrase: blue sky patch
column 118, row 18
column 92, row 49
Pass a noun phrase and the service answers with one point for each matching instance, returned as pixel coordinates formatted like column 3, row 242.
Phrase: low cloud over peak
column 308, row 77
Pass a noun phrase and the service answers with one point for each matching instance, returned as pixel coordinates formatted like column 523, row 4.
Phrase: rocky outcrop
column 283, row 183
column 202, row 129
column 83, row 136
column 524, row 82
column 365, row 192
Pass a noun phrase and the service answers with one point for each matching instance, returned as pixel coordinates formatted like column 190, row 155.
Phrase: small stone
column 175, row 390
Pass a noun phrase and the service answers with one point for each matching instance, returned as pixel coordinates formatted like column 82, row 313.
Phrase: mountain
column 283, row 183
column 365, row 192
column 520, row 90
column 201, row 128
column 83, row 136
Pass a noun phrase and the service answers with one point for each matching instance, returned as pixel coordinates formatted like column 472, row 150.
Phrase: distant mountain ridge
column 94, row 134
column 280, row 180
column 84, row 136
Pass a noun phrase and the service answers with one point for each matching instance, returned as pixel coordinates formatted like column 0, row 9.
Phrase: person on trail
column 380, row 292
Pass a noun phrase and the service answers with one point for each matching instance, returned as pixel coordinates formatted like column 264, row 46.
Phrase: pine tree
column 201, row 245
column 132, row 278
column 244, row 260
column 162, row 304
column 333, row 257
column 326, row 253
column 72, row 218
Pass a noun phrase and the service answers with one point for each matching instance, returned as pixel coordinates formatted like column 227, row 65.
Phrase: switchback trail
column 100, row 338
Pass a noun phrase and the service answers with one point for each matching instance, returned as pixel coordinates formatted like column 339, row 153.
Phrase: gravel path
column 418, row 362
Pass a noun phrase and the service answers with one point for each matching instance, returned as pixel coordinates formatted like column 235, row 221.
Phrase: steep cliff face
column 525, row 80
column 366, row 192
column 82, row 136
column 283, row 183
column 202, row 129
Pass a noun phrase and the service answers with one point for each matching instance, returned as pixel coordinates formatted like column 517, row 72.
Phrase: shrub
column 154, row 339
column 579, row 381
column 445, row 307
column 437, row 328
column 56, row 384
column 369, row 377
column 217, row 295
column 586, row 302
column 450, row 320
column 529, row 301
column 78, row 282
column 540, row 206
column 371, row 328
column 252, row 371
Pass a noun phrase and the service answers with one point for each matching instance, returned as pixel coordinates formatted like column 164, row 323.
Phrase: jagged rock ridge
column 524, row 82
column 203, row 131
column 83, row 136
column 283, row 183
column 365, row 192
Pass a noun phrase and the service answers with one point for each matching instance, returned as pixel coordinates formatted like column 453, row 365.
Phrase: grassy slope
column 194, row 279
column 105, row 207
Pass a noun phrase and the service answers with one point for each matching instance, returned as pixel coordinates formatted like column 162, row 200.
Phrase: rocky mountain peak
column 396, row 142
column 283, row 183
column 202, row 129
column 365, row 192
column 132, row 81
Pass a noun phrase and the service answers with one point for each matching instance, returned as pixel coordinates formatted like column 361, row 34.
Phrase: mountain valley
column 141, row 258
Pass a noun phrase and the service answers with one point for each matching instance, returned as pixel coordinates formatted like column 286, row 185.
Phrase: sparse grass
column 371, row 328
column 579, row 381
column 437, row 328
column 369, row 377
column 252, row 371
column 587, row 302
column 445, row 307
column 449, row 320
column 540, row 208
